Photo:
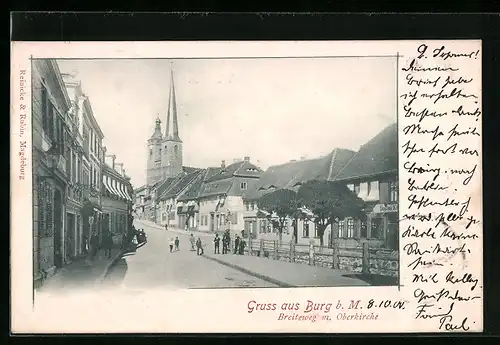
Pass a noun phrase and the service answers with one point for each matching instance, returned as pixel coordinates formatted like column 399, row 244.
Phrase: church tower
column 154, row 171
column 171, row 145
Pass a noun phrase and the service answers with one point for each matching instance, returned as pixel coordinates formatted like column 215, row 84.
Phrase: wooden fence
column 360, row 259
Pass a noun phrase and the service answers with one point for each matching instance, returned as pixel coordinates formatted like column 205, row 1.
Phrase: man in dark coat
column 107, row 243
column 216, row 242
column 236, row 244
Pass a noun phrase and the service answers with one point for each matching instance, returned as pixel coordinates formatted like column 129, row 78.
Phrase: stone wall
column 351, row 263
column 323, row 260
column 381, row 262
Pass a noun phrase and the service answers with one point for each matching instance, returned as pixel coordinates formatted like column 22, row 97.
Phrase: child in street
column 192, row 240
column 177, row 244
column 171, row 244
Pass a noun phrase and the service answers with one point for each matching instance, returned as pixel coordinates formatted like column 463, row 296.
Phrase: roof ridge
column 345, row 165
column 332, row 161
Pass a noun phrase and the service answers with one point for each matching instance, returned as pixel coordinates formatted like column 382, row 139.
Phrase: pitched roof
column 165, row 184
column 193, row 190
column 179, row 185
column 189, row 170
column 292, row 174
column 216, row 187
column 242, row 169
column 377, row 156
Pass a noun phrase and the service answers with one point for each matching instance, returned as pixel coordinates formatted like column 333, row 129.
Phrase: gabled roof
column 179, row 185
column 216, row 187
column 377, row 156
column 165, row 185
column 242, row 169
column 292, row 174
column 194, row 189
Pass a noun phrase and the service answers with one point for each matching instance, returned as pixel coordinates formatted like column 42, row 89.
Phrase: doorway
column 58, row 254
column 70, row 236
column 212, row 221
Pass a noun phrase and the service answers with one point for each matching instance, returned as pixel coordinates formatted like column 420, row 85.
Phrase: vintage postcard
column 168, row 187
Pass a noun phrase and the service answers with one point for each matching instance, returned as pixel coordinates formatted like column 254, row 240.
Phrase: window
column 363, row 230
column 305, row 230
column 393, row 191
column 73, row 167
column 243, row 185
column 350, row 228
column 253, row 206
column 341, row 229
column 262, row 226
column 247, row 206
column 69, row 165
column 176, row 149
column 376, row 228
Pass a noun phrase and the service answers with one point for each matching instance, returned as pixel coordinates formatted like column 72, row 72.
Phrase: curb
column 113, row 261
column 254, row 274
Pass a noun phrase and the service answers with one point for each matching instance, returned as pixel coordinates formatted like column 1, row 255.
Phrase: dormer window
column 252, row 169
column 243, row 185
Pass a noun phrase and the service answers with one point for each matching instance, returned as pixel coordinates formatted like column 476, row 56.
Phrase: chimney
column 223, row 164
column 110, row 160
column 119, row 168
column 302, row 158
column 247, row 159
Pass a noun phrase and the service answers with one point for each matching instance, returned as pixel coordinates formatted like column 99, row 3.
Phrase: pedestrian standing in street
column 107, row 243
column 94, row 246
column 171, row 244
column 242, row 245
column 176, row 244
column 236, row 244
column 216, row 242
column 166, row 226
column 192, row 240
column 199, row 247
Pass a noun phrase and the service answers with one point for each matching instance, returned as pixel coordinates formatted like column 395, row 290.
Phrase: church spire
column 172, row 132
column 157, row 133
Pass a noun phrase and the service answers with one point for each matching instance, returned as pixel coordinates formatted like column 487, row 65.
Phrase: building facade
column 116, row 199
column 373, row 175
column 174, row 212
column 93, row 160
column 291, row 176
column 74, row 160
column 220, row 200
column 50, row 106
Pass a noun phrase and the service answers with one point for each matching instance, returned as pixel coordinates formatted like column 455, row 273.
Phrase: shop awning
column 106, row 185
column 111, row 188
column 122, row 191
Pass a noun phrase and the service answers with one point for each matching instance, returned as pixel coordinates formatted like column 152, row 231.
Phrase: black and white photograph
column 214, row 173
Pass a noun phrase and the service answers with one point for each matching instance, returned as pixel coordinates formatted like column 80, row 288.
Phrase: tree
column 330, row 202
column 282, row 202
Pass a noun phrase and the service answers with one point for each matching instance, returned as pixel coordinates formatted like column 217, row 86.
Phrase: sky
column 272, row 110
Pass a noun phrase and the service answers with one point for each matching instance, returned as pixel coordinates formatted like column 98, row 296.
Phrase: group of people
column 239, row 244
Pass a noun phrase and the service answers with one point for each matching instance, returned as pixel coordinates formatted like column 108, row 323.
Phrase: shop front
column 92, row 220
column 384, row 225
